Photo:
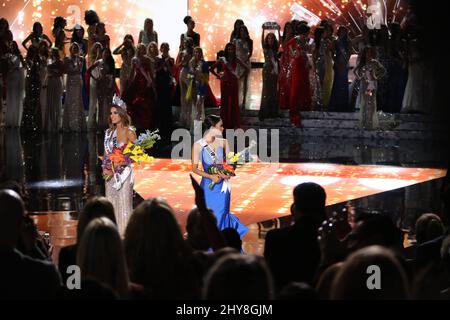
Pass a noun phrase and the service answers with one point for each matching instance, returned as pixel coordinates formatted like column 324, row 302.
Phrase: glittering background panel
column 214, row 18
column 263, row 191
column 120, row 16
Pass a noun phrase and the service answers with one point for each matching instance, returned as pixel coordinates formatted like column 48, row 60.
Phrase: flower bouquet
column 120, row 158
column 234, row 160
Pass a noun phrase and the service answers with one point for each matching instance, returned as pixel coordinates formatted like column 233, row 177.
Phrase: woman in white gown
column 119, row 188
column 16, row 88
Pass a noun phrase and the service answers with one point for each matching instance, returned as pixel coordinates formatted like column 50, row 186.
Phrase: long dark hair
column 237, row 24
column 318, row 33
column 37, row 25
column 58, row 24
column 229, row 44
column 110, row 61
column 286, row 26
column 210, row 121
column 91, row 17
column 75, row 37
column 275, row 42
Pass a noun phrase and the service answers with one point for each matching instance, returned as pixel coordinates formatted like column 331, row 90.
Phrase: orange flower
column 117, row 157
column 227, row 167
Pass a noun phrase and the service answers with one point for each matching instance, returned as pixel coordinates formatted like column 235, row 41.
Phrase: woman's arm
column 118, row 50
column 24, row 42
column 131, row 135
column 50, row 44
column 251, row 50
column 262, row 37
column 196, row 149
column 213, row 68
column 247, row 69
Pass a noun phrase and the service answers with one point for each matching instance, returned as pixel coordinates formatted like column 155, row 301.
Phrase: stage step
column 336, row 124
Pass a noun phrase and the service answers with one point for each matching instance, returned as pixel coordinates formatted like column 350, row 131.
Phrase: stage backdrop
column 214, row 18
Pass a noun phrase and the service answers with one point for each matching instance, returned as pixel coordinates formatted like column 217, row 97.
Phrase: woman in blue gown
column 209, row 150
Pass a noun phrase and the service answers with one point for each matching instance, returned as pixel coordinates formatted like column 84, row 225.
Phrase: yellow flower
column 230, row 154
column 128, row 148
column 137, row 151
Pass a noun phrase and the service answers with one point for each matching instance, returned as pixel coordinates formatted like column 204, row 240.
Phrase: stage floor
column 263, row 191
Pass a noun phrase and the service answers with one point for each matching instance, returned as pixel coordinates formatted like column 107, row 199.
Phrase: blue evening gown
column 217, row 200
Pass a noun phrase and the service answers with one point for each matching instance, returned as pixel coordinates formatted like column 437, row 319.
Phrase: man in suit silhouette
column 293, row 253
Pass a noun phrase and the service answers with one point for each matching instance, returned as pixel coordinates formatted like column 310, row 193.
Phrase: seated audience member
column 297, row 291
column 100, row 256
column 326, row 279
column 96, row 207
column 351, row 281
column 430, row 252
column 238, row 277
column 293, row 253
column 373, row 229
column 232, row 238
column 157, row 256
column 428, row 227
column 445, row 255
column 197, row 236
column 21, row 277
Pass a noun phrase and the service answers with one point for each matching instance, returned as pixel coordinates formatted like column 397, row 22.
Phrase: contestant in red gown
column 299, row 91
column 284, row 77
column 140, row 97
column 229, row 86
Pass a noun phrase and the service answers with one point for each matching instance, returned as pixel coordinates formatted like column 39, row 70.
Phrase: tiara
column 119, row 102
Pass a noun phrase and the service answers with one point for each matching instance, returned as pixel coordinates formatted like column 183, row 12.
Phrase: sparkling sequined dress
column 126, row 69
column 324, row 67
column 54, row 97
column 368, row 75
column 284, row 78
column 242, row 52
column 218, row 198
column 73, row 117
column 31, row 119
column 186, row 105
column 200, row 73
column 269, row 95
column 122, row 199
column 105, row 93
column 15, row 92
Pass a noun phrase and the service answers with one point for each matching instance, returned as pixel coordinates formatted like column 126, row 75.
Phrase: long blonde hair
column 157, row 255
column 100, row 255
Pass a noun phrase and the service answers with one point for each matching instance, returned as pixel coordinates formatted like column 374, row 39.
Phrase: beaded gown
column 242, row 52
column 269, row 98
column 122, row 199
column 15, row 92
column 368, row 75
column 54, row 97
column 73, row 117
column 31, row 119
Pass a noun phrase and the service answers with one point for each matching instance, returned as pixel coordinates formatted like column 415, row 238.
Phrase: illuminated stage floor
column 263, row 191
column 260, row 192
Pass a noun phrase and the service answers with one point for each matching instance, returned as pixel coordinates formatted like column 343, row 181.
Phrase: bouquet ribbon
column 226, row 186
